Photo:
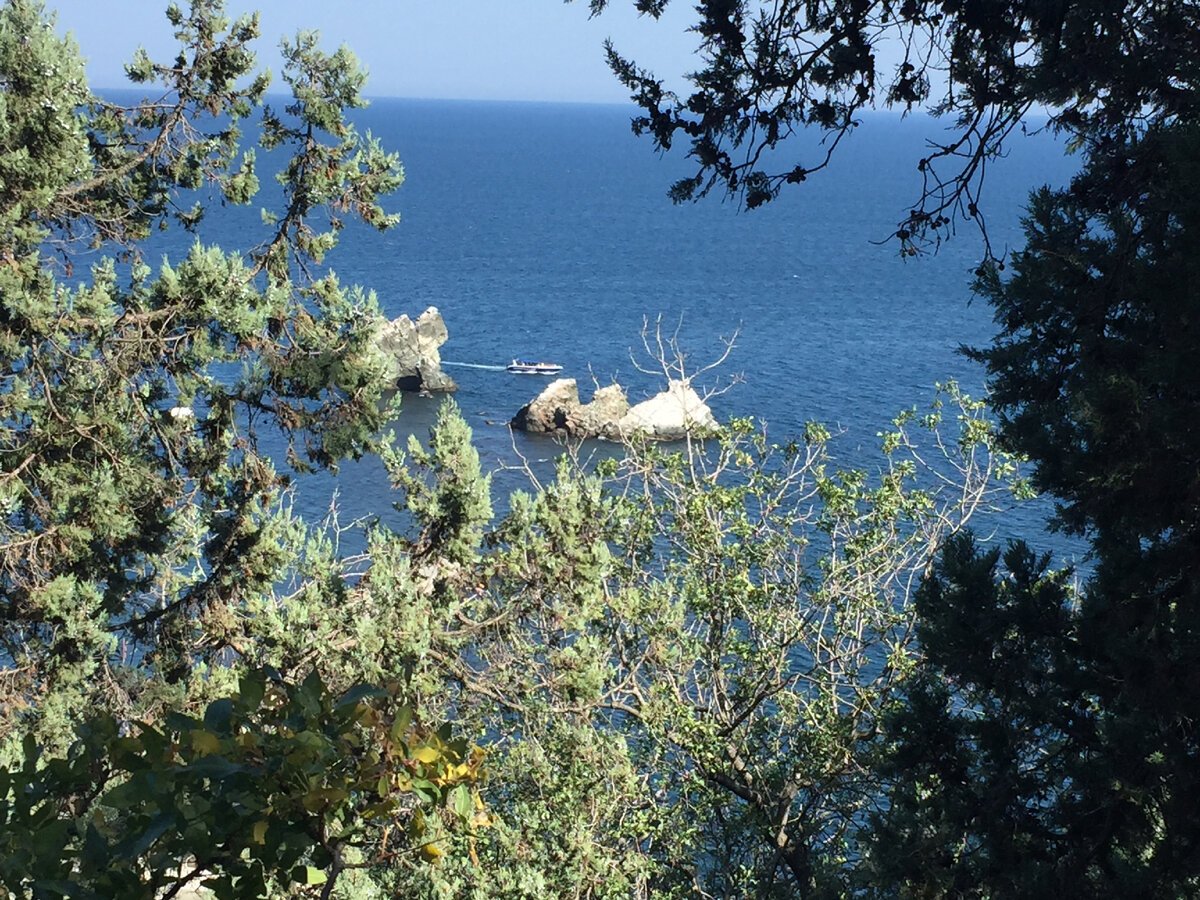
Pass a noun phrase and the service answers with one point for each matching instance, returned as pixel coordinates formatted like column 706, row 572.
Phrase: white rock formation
column 670, row 416
column 411, row 350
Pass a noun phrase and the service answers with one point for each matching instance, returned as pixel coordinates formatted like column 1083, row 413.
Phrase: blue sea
column 544, row 231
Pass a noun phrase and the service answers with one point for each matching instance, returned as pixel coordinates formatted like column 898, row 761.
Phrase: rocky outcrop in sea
column 411, row 351
column 671, row 415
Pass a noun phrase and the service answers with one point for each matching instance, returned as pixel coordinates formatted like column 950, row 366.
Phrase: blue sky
column 466, row 49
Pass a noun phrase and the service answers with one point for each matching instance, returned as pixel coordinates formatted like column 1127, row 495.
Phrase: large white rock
column 670, row 416
column 411, row 351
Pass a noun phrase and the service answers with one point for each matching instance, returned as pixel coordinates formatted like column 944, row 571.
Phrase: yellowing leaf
column 313, row 800
column 205, row 742
column 426, row 754
column 416, row 827
column 432, row 852
column 260, row 833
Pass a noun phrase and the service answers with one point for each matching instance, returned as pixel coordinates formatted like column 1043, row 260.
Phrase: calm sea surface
column 544, row 231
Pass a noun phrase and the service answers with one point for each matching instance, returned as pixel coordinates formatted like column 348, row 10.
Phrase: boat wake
column 475, row 366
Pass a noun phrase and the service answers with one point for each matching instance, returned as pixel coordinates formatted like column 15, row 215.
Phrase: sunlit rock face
column 411, row 352
column 671, row 415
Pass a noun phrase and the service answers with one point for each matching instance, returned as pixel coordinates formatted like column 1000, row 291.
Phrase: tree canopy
column 1093, row 378
column 142, row 527
column 1100, row 71
column 726, row 668
column 137, row 502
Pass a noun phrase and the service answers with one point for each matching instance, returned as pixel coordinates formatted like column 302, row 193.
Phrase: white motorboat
column 529, row 367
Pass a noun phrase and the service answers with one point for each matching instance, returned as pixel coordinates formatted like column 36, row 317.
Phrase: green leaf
column 359, row 693
column 139, row 843
column 215, row 767
column 425, row 790
column 308, row 875
column 62, row 888
column 218, row 717
column 460, row 801
column 401, row 725
column 312, row 692
column 252, row 688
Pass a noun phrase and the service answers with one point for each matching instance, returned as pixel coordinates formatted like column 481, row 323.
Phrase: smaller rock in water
column 556, row 410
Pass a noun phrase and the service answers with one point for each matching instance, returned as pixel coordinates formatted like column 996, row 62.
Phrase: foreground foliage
column 680, row 660
column 276, row 790
column 727, row 669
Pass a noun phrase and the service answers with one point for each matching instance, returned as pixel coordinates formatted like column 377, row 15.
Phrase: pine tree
column 140, row 514
column 1063, row 760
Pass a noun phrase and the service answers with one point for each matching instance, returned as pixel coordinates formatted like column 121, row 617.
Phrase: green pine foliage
column 1091, row 741
column 986, row 757
column 143, row 531
column 140, row 516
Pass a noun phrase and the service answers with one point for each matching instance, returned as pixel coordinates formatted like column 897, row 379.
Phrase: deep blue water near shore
column 543, row 230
